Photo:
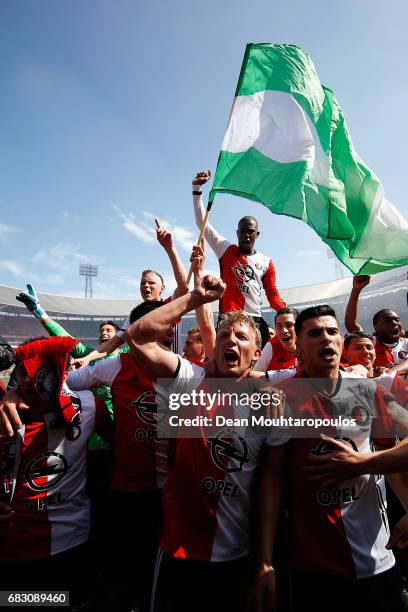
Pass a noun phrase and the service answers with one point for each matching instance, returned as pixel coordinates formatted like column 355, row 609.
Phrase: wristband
column 197, row 192
column 40, row 313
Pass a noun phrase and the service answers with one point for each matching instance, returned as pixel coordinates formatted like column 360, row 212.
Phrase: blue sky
column 109, row 108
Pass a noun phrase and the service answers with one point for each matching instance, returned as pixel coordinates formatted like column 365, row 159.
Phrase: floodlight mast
column 89, row 271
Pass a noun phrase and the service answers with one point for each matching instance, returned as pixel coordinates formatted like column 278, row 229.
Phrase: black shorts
column 70, row 570
column 184, row 585
column 379, row 593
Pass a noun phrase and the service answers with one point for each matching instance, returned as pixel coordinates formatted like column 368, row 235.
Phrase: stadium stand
column 81, row 317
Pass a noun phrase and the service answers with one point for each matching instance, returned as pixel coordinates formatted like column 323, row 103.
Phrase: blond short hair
column 233, row 317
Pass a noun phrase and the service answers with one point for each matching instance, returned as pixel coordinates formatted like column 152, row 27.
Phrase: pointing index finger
column 157, row 223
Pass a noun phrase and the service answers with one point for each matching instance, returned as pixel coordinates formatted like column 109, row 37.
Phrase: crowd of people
column 99, row 498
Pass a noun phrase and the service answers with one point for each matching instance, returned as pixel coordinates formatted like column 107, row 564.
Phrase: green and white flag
column 287, row 146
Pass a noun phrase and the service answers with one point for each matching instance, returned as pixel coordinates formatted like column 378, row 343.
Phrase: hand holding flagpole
column 200, row 179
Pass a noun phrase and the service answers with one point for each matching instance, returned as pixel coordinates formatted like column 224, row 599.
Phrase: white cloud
column 145, row 228
column 142, row 231
column 11, row 266
column 68, row 215
column 6, row 230
column 183, row 237
column 63, row 256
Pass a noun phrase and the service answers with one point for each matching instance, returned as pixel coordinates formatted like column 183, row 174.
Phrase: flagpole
column 207, row 212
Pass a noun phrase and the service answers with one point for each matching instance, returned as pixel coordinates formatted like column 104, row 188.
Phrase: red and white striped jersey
column 52, row 510
column 346, row 527
column 207, row 498
column 274, row 356
column 244, row 275
column 140, row 460
column 391, row 354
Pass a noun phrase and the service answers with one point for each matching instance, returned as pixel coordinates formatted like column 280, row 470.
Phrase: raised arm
column 400, row 368
column 204, row 313
column 359, row 282
column 165, row 239
column 101, row 373
column 272, row 293
column 217, row 242
column 104, row 349
column 145, row 335
column 31, row 301
column 263, row 591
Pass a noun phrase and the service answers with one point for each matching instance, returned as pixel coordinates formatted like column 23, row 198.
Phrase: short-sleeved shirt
column 207, row 498
column 341, row 530
column 52, row 510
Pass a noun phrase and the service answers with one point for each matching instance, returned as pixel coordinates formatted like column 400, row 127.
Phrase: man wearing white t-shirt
column 207, row 498
column 339, row 533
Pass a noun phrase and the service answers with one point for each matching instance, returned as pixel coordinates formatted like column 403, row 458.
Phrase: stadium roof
column 380, row 283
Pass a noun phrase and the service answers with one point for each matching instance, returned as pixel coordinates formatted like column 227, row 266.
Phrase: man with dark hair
column 391, row 349
column 279, row 352
column 107, row 331
column 193, row 347
column 245, row 271
column 339, row 532
column 359, row 349
column 139, row 469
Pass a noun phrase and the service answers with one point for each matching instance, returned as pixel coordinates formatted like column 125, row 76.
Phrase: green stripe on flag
column 287, row 146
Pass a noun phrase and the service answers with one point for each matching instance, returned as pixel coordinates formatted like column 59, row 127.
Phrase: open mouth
column 231, row 357
column 327, row 352
column 146, row 293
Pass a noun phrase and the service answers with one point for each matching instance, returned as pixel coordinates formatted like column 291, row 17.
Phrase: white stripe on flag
column 386, row 228
column 276, row 125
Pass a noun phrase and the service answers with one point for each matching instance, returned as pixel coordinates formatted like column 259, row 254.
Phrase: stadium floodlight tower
column 89, row 271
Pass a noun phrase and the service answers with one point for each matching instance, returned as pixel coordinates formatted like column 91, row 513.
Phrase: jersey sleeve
column 399, row 389
column 383, row 430
column 102, row 372
column 55, row 329
column 276, row 376
column 269, row 284
column 217, row 242
column 264, row 358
